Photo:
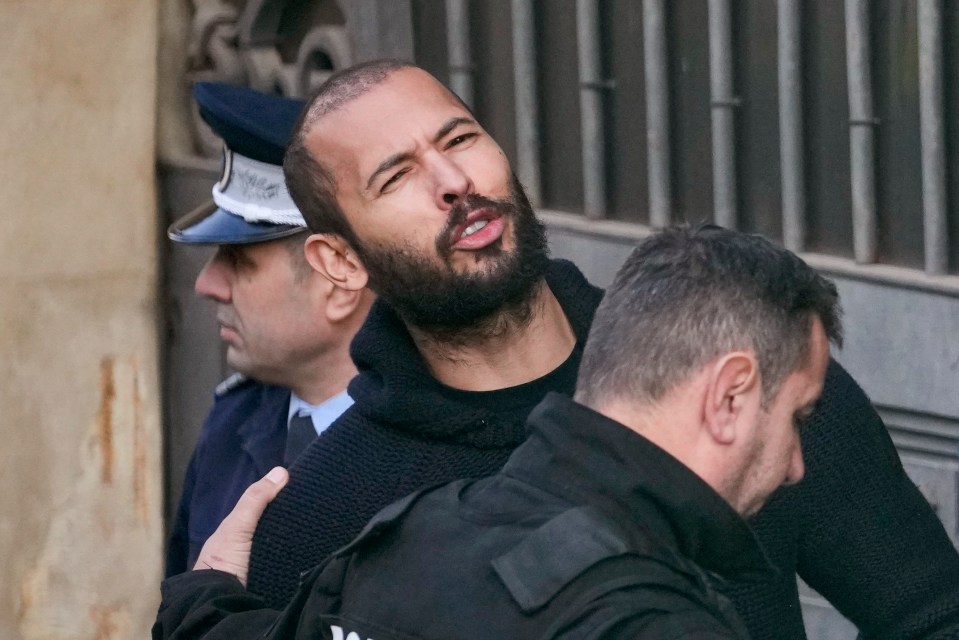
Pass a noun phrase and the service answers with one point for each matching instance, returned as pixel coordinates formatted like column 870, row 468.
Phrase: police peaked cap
column 250, row 201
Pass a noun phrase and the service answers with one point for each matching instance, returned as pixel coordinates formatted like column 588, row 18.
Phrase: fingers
column 246, row 514
column 228, row 549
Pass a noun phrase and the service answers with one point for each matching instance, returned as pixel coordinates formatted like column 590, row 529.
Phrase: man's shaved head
column 311, row 184
column 344, row 86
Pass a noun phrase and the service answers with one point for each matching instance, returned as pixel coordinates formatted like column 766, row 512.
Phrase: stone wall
column 80, row 517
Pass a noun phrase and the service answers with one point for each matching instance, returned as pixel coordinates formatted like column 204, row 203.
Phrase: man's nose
column 213, row 281
column 453, row 183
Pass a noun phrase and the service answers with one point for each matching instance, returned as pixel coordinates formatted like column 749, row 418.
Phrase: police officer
column 286, row 328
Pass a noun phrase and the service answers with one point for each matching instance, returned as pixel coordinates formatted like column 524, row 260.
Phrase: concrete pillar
column 80, row 530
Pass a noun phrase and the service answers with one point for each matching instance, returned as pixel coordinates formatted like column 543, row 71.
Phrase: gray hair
column 685, row 296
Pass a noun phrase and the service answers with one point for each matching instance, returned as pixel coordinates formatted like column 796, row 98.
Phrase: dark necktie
column 300, row 434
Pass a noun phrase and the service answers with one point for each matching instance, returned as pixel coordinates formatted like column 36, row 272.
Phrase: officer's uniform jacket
column 589, row 531
column 242, row 438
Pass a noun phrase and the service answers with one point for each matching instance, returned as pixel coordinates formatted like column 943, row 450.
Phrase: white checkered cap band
column 257, row 192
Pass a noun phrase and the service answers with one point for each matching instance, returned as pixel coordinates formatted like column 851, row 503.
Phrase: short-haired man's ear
column 733, row 395
column 333, row 258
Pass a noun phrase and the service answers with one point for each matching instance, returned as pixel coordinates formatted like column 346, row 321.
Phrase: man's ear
column 333, row 258
column 733, row 395
column 342, row 304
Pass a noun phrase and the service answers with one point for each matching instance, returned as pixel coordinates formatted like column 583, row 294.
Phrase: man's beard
column 457, row 307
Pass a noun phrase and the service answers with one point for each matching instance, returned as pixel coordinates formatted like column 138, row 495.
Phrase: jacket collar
column 262, row 432
column 577, row 452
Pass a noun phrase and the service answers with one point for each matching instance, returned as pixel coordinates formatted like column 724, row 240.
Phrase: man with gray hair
column 705, row 356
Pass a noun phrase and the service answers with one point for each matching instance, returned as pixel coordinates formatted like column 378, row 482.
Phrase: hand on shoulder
column 228, row 549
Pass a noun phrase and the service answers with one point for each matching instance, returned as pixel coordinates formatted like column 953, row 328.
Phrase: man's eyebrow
column 388, row 164
column 451, row 124
column 403, row 156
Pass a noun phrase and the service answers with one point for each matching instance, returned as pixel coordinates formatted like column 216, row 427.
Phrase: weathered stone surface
column 81, row 526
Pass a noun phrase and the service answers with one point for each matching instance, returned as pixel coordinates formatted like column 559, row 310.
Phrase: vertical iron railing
column 862, row 123
column 933, row 137
column 592, row 86
column 658, row 158
column 723, row 103
column 791, row 144
column 460, row 62
column 526, row 100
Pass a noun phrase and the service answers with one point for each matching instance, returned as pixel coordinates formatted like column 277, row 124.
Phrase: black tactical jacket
column 589, row 531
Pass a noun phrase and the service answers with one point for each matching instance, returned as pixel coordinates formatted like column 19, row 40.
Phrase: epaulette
column 537, row 568
column 230, row 384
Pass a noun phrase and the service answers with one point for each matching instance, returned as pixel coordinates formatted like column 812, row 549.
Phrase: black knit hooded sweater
column 855, row 528
column 404, row 431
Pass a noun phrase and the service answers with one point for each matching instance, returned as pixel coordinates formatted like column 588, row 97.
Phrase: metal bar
column 933, row 136
column 527, row 101
column 458, row 37
column 378, row 29
column 591, row 107
column 723, row 105
column 862, row 123
column 658, row 158
column 791, row 148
